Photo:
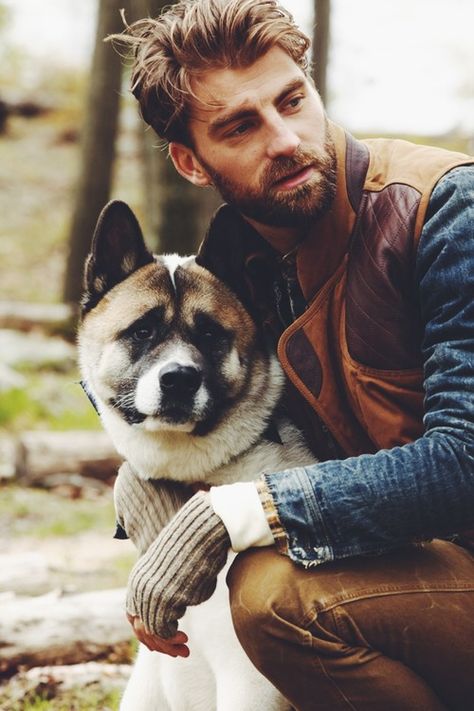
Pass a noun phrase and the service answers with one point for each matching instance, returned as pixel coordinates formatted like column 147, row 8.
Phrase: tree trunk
column 177, row 212
column 24, row 316
column 98, row 145
column 321, row 40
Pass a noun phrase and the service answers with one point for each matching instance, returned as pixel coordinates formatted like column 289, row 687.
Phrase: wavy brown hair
column 194, row 36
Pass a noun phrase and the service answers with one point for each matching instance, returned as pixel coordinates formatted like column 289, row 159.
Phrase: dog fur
column 186, row 389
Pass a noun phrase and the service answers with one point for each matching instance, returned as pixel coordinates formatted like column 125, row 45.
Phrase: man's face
column 260, row 134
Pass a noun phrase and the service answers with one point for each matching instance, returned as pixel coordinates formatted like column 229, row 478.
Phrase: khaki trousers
column 388, row 633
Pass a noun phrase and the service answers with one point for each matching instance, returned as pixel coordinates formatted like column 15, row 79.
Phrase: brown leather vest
column 354, row 354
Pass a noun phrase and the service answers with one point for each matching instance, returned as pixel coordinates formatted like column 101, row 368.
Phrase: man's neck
column 282, row 239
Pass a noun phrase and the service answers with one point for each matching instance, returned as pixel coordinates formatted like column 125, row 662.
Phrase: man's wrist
column 240, row 509
column 180, row 568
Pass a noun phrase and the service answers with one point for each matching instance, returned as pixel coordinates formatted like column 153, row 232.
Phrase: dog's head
column 163, row 344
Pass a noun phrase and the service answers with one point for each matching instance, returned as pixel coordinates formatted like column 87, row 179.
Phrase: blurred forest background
column 70, row 139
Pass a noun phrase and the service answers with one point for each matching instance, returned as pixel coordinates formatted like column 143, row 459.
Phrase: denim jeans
column 386, row 633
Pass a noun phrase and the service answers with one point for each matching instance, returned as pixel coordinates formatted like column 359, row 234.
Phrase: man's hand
column 179, row 569
column 173, row 647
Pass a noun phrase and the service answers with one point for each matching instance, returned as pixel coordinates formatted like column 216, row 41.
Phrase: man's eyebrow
column 243, row 113
column 220, row 123
column 292, row 85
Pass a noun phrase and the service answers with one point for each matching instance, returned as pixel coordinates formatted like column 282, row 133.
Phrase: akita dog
column 187, row 390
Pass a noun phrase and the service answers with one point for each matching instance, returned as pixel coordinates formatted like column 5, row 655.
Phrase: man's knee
column 379, row 625
column 263, row 602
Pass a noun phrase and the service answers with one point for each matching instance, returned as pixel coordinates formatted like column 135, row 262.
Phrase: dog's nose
column 178, row 379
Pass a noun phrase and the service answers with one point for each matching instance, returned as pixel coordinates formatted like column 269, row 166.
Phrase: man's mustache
column 284, row 166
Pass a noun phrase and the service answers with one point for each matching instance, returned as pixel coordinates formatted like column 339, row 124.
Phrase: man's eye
column 294, row 102
column 239, row 130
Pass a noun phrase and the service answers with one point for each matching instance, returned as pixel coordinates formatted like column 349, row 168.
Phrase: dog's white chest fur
column 217, row 676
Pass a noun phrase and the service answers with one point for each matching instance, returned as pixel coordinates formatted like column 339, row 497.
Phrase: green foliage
column 62, row 525
column 74, row 700
column 53, row 401
column 17, row 405
column 66, row 531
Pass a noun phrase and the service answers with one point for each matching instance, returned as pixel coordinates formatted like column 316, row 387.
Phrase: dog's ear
column 118, row 249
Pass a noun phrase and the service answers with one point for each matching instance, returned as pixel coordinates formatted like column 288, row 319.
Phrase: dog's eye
column 142, row 333
column 146, row 328
column 208, row 333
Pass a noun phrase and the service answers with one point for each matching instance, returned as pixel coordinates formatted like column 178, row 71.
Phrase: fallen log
column 26, row 573
column 57, row 629
column 36, row 350
column 24, row 316
column 7, row 457
column 87, row 453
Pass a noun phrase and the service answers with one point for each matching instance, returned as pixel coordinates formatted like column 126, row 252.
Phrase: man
column 357, row 260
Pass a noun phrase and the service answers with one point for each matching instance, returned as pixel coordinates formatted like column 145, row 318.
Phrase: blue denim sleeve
column 369, row 504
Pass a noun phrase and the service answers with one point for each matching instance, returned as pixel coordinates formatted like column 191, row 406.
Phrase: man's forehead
column 240, row 88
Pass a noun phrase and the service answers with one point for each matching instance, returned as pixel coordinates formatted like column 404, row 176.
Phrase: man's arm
column 372, row 503
column 179, row 569
column 143, row 507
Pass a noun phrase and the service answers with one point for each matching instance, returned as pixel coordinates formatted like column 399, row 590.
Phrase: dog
column 188, row 391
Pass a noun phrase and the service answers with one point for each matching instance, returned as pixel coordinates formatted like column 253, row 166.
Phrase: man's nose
column 282, row 140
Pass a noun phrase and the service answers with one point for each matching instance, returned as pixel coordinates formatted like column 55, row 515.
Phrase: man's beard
column 293, row 207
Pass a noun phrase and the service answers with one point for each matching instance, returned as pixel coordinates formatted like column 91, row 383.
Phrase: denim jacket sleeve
column 368, row 504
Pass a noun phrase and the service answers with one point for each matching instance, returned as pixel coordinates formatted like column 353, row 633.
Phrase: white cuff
column 240, row 509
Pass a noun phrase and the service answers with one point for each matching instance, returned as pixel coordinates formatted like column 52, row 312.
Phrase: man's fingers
column 165, row 647
column 174, row 646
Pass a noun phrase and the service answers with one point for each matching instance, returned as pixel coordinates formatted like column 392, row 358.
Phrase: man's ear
column 185, row 161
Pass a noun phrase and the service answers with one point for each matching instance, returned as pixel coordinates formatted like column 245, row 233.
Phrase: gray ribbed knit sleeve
column 180, row 568
column 144, row 507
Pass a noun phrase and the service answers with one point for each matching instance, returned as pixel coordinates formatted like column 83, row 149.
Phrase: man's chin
column 296, row 207
column 283, row 220
column 286, row 215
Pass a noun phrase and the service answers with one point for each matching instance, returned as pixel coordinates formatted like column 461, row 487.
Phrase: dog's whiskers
column 126, row 400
